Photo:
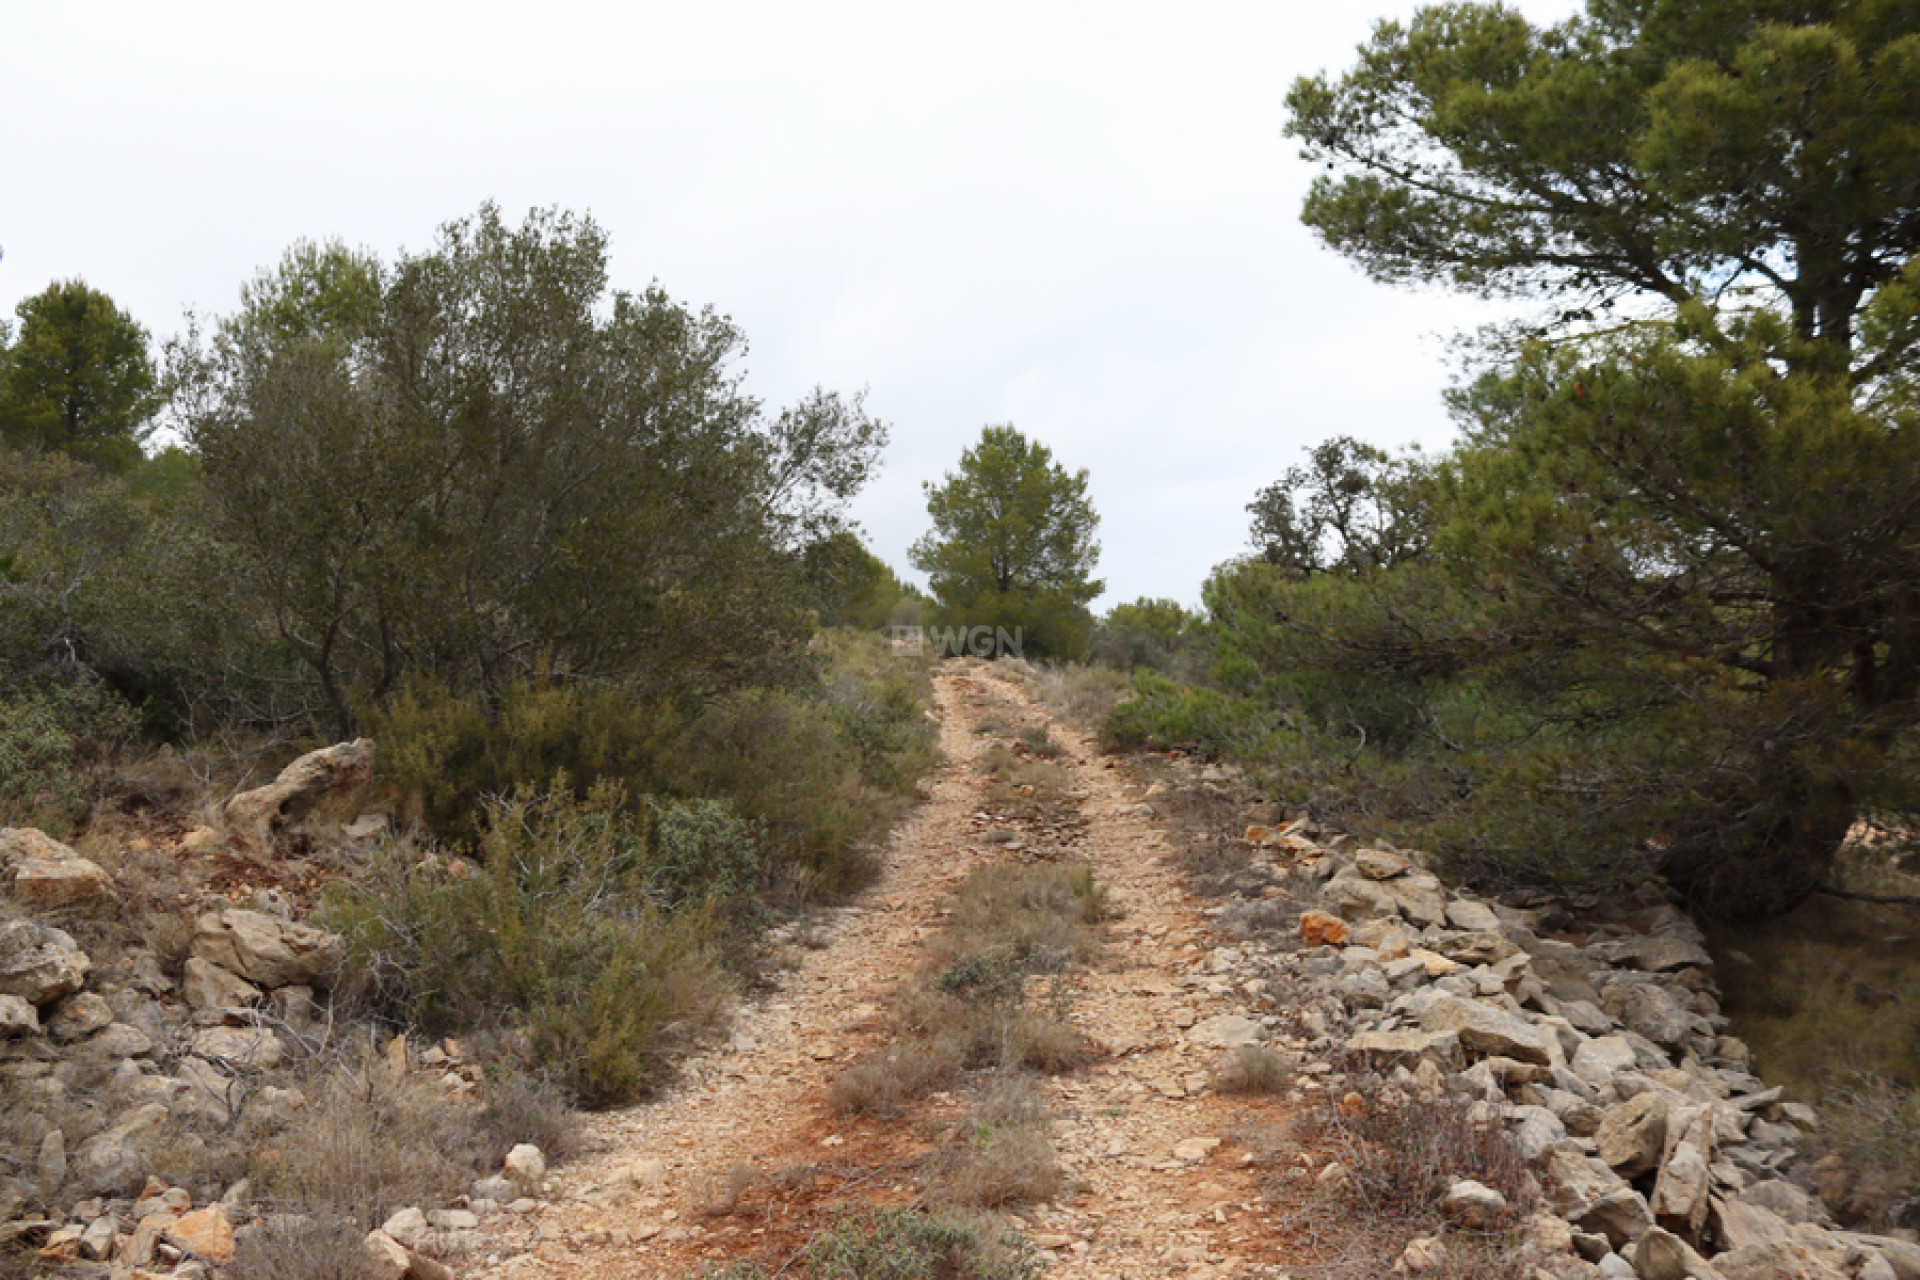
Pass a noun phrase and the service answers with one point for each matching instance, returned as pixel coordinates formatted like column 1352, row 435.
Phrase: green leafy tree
column 78, row 380
column 1012, row 543
column 1657, row 616
column 1352, row 507
column 1143, row 633
column 1708, row 151
column 481, row 461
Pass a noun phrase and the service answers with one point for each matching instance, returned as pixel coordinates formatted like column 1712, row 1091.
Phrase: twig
column 1884, row 899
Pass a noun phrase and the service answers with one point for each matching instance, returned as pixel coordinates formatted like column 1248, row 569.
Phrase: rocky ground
column 1596, row 1049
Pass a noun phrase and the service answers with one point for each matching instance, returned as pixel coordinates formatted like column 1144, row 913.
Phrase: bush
column 1005, row 1155
column 1161, row 713
column 48, row 736
column 561, row 932
column 299, row 1247
column 905, row 1244
column 1254, row 1068
column 1873, row 1126
column 1402, row 1156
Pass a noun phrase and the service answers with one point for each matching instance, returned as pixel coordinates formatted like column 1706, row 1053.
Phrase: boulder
column 262, row 814
column 1561, row 966
column 1653, row 954
column 1737, row 1225
column 408, row 1226
column 110, row 1155
column 1474, row 1206
column 1633, row 1136
column 40, row 964
column 1577, row 1182
column 80, row 1014
column 50, row 884
column 1476, row 948
column 264, row 950
column 1484, row 1029
column 1784, row 1200
column 18, row 1018
column 118, row 1040
column 208, row 986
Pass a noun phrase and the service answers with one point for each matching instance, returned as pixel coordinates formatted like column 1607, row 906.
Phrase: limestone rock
column 1662, row 1256
column 1737, row 1225
column 25, row 844
column 1227, row 1031
column 1600, row 1059
column 118, row 1040
column 246, row 1048
column 1420, row 897
column 96, row 1242
column 1578, row 1182
column 1485, row 1029
column 408, row 1226
column 387, row 1258
column 50, row 884
column 1380, row 864
column 40, row 964
column 207, row 986
column 1633, row 1136
column 18, row 1018
column 1318, row 929
column 1784, row 1200
column 204, row 1233
column 1384, row 1049
column 1473, row 917
column 80, row 1014
column 1782, row 1260
column 263, row 950
column 1680, row 1195
column 1621, row 1215
column 526, row 1164
column 1649, row 1009
column 1474, row 1206
column 264, row 813
column 1354, row 897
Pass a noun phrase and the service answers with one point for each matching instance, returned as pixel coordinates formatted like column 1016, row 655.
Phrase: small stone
column 1227, row 1031
column 80, row 1014
column 247, row 1048
column 51, row 1163
column 17, row 1017
column 1194, row 1150
column 1423, row 1255
column 207, row 986
column 407, row 1226
column 96, row 1242
column 1380, row 864
column 525, row 1163
column 1318, row 929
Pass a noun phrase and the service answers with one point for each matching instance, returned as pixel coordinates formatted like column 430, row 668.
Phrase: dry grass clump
column 369, row 1144
column 1004, row 1155
column 1401, row 1155
column 884, row 1082
column 1254, row 1069
column 1873, row 1126
column 905, row 1244
column 719, row 1195
column 516, row 1108
column 1035, row 916
column 296, row 1247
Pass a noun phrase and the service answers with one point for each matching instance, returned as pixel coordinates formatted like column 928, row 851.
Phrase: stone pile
column 1608, row 1063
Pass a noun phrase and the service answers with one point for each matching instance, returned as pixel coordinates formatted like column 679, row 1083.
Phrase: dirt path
column 1164, row 1188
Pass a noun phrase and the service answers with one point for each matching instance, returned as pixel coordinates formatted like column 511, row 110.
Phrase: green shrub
column 47, row 737
column 1161, row 712
column 561, row 931
column 451, row 751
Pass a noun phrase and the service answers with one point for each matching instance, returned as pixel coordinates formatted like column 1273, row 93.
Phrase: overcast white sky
column 1080, row 218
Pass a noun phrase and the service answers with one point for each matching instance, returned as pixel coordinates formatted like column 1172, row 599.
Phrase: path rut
column 1164, row 1187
